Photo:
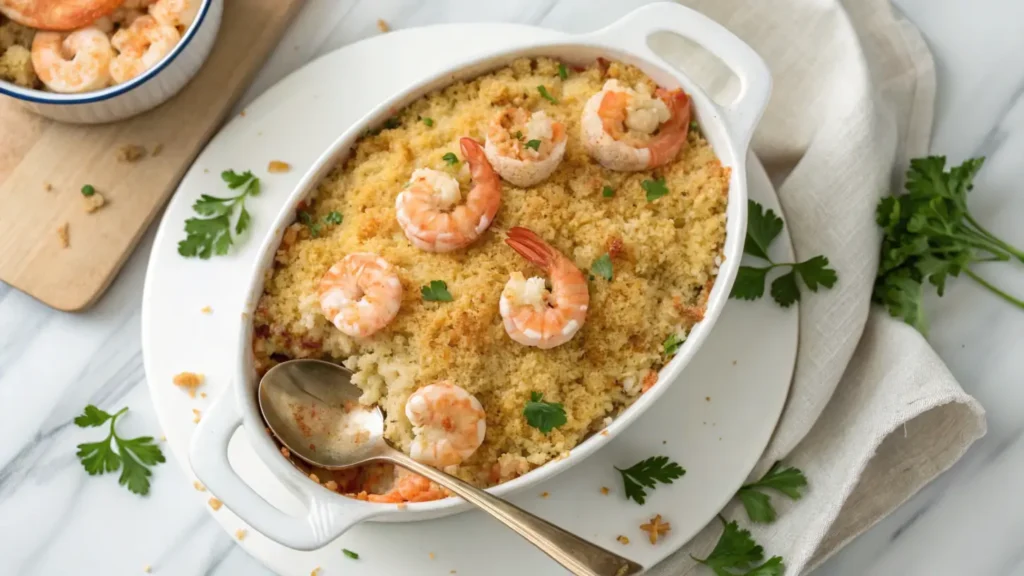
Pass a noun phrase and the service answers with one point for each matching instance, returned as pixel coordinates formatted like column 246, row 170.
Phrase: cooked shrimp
column 429, row 210
column 176, row 13
column 141, row 45
column 524, row 147
column 72, row 63
column 628, row 130
column 409, row 487
column 57, row 15
column 360, row 294
column 533, row 315
column 449, row 424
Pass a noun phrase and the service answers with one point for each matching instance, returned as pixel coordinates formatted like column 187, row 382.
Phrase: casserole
column 727, row 130
column 144, row 92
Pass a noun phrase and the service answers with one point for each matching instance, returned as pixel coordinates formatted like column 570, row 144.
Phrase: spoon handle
column 574, row 553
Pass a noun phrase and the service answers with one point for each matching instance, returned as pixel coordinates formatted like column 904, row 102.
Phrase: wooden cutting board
column 44, row 164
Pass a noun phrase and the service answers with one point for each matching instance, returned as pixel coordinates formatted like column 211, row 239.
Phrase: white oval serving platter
column 715, row 422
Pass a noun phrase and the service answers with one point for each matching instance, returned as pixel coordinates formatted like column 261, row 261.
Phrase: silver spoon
column 304, row 403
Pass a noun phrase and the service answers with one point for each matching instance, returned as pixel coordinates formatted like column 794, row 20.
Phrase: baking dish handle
column 209, row 457
column 632, row 31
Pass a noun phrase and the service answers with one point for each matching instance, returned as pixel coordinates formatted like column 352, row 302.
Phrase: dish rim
column 338, row 152
column 43, row 97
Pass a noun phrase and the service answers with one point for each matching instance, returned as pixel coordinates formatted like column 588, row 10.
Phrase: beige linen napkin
column 873, row 415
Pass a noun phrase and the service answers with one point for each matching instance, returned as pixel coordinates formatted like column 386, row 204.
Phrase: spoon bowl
column 313, row 409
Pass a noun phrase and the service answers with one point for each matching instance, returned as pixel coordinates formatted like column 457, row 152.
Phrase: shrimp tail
column 530, row 246
column 672, row 134
column 479, row 167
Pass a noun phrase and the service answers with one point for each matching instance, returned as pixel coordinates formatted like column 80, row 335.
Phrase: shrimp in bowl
column 431, row 210
column 75, row 62
column 360, row 294
column 534, row 315
column 524, row 147
column 449, row 424
column 628, row 129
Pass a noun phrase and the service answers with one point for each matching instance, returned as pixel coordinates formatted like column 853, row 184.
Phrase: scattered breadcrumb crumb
column 202, row 394
column 277, row 167
column 163, row 438
column 196, row 415
column 198, row 486
column 63, row 235
column 544, row 494
column 431, row 555
column 157, row 150
column 130, row 153
column 94, row 202
column 47, row 186
column 240, row 534
column 285, row 452
column 707, row 398
column 382, row 25
column 206, row 310
column 605, row 490
column 402, row 506
column 215, row 504
column 623, row 539
column 315, row 571
column 314, row 478
column 331, row 485
column 147, row 569
column 189, row 381
column 604, row 432
column 656, row 528
column 242, row 113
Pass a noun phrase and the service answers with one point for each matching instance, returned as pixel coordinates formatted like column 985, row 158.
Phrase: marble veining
column 54, row 519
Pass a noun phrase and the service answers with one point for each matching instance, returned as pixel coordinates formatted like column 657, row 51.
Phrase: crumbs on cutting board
column 63, row 236
column 130, row 153
column 382, row 25
column 93, row 202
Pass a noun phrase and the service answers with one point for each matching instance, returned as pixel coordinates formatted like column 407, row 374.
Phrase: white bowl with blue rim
column 144, row 92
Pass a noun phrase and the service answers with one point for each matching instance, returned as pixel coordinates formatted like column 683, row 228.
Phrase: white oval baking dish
column 728, row 130
column 147, row 91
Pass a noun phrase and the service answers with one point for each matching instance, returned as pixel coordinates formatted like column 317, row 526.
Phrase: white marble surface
column 54, row 519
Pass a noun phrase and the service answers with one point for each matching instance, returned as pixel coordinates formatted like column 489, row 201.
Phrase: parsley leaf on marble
column 647, row 473
column 787, row 480
column 437, row 291
column 134, row 456
column 763, row 226
column 542, row 415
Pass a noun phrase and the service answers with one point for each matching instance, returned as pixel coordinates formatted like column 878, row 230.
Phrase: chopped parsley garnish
column 672, row 344
column 88, row 190
column 562, row 72
column 602, row 267
column 333, row 217
column 736, row 551
column 428, row 121
column 655, row 189
column 392, row 123
column 759, row 507
column 519, row 134
column 543, row 416
column 350, row 553
column 450, row 158
column 533, row 144
column 607, row 192
column 307, row 219
column 763, row 226
column 544, row 94
column 694, row 126
column 134, row 456
column 212, row 235
column 646, row 473
column 437, row 291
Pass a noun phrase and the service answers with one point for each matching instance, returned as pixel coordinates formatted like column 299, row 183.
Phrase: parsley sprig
column 543, row 416
column 212, row 234
column 787, row 480
column 672, row 344
column 736, row 552
column 134, row 456
column 763, row 226
column 646, row 473
column 602, row 267
column 929, row 234
column 654, row 188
